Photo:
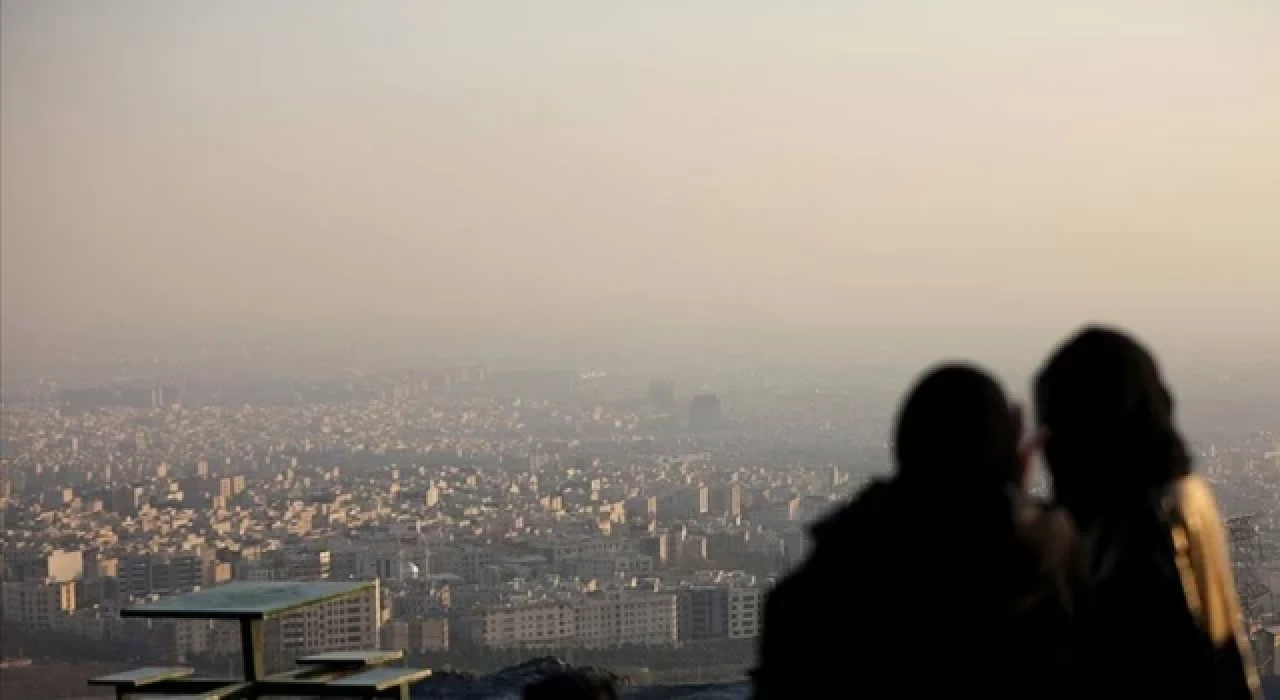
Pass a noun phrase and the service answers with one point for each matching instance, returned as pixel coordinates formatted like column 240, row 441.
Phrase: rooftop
column 252, row 600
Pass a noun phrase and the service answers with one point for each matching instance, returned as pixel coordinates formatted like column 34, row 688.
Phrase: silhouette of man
column 941, row 581
column 1161, row 617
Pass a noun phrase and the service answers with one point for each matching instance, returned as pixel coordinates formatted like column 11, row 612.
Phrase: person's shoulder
column 1193, row 498
column 870, row 502
column 837, row 539
column 801, row 584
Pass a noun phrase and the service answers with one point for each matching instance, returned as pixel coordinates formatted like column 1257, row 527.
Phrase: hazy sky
column 548, row 166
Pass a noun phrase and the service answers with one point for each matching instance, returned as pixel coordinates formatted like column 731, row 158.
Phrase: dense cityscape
column 502, row 514
column 579, row 350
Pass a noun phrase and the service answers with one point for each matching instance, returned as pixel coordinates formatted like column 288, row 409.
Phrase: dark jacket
column 908, row 594
column 1162, row 618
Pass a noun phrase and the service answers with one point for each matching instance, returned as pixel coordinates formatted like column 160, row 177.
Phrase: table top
column 246, row 600
column 380, row 679
column 215, row 694
column 362, row 658
column 143, row 676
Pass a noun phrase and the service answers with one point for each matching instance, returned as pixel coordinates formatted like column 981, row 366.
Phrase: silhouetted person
column 573, row 685
column 1162, row 619
column 943, row 581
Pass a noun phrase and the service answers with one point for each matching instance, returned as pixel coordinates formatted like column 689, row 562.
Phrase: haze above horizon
column 690, row 174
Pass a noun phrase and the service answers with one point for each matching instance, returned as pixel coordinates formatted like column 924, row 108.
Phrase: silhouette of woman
column 1161, row 617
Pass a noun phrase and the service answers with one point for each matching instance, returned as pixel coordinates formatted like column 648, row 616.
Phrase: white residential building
column 618, row 618
column 550, row 624
column 349, row 623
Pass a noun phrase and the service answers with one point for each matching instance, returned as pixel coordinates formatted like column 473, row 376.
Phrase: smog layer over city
column 527, row 340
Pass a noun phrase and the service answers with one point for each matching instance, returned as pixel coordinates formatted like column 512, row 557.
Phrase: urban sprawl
column 496, row 511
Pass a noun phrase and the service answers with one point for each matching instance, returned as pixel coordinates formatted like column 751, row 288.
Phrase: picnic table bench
column 363, row 674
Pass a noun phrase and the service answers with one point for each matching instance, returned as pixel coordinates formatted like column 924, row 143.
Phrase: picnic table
column 364, row 674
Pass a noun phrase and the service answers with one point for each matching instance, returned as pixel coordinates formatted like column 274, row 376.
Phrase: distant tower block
column 704, row 413
column 1247, row 559
column 662, row 394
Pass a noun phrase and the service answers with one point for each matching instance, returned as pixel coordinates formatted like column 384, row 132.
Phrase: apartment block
column 620, row 618
column 704, row 613
column 160, row 574
column 206, row 637
column 350, row 623
column 527, row 626
column 43, row 565
column 746, row 610
column 38, row 605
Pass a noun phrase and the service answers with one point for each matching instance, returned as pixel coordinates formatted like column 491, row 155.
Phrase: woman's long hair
column 1109, row 421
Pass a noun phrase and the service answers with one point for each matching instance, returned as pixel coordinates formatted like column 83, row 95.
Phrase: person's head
column 572, row 685
column 1108, row 421
column 957, row 431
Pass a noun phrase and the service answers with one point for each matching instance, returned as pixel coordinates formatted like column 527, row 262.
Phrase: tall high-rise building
column 163, row 396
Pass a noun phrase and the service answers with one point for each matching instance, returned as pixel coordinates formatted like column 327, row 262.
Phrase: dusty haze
column 810, row 170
